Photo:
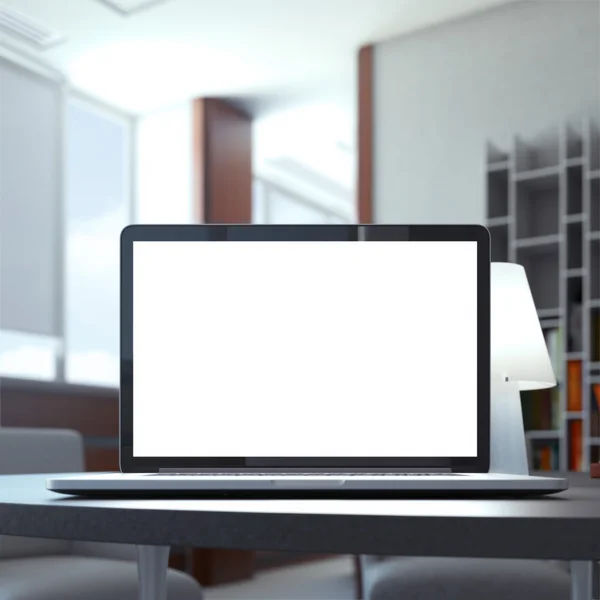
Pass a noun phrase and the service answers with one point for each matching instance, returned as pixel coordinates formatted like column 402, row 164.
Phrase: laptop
column 304, row 360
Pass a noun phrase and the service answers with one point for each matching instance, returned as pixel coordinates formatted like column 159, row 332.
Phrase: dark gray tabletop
column 564, row 526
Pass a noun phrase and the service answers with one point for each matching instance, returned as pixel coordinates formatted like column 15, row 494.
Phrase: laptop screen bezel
column 205, row 233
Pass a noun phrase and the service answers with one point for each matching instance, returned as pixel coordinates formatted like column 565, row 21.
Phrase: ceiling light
column 128, row 7
column 21, row 26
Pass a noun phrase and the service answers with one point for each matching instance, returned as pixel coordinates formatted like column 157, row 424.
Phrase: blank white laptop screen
column 305, row 349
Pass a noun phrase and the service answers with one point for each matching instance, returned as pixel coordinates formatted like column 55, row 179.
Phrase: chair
column 463, row 579
column 43, row 569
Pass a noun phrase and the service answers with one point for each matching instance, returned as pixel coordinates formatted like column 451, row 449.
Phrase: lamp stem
column 508, row 448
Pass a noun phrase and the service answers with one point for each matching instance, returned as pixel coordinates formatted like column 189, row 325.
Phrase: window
column 28, row 356
column 272, row 204
column 97, row 208
column 65, row 195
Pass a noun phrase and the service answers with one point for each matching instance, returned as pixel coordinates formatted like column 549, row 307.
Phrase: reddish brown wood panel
column 365, row 134
column 275, row 560
column 223, row 155
column 177, row 560
column 92, row 415
column 102, row 459
column 217, row 567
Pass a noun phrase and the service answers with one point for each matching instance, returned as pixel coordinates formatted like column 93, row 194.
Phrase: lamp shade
column 518, row 348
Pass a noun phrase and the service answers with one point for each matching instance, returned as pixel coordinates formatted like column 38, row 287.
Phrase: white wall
column 441, row 93
column 164, row 166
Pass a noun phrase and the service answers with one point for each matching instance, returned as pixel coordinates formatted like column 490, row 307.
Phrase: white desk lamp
column 519, row 361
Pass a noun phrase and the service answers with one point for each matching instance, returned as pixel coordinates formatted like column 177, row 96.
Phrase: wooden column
column 223, row 194
column 365, row 134
column 222, row 162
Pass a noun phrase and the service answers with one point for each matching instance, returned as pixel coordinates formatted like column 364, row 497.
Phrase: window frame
column 73, row 96
column 267, row 187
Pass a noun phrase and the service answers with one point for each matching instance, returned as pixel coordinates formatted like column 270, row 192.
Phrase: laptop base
column 117, row 485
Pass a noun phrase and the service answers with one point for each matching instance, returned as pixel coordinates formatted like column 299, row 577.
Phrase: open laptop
column 305, row 360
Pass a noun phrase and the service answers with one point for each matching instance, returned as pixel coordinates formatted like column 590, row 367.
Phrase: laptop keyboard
column 329, row 474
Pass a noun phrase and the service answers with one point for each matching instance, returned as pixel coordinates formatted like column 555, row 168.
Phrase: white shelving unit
column 543, row 198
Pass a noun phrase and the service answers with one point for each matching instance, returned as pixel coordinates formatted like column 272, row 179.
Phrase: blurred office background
column 281, row 111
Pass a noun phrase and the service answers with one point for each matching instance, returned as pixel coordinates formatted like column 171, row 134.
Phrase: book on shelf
column 556, row 412
column 545, row 457
column 575, row 445
column 541, row 409
column 574, row 391
column 595, row 418
column 595, row 349
column 595, row 411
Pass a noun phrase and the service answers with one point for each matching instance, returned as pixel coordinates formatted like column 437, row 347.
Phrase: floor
column 331, row 579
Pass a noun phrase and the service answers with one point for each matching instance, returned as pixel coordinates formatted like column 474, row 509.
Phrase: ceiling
column 272, row 50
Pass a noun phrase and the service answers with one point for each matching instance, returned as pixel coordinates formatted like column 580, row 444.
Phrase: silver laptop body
column 304, row 360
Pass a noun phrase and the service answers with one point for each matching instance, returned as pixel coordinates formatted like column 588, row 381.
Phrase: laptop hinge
column 305, row 470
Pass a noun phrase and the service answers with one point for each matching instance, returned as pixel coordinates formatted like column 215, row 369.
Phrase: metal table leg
column 153, row 562
column 582, row 587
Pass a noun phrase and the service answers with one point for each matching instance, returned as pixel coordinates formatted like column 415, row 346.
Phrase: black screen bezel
column 166, row 233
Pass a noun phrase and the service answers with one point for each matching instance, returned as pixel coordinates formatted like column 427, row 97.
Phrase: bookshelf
column 543, row 211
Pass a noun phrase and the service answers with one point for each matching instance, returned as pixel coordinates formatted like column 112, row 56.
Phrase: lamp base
column 508, row 448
